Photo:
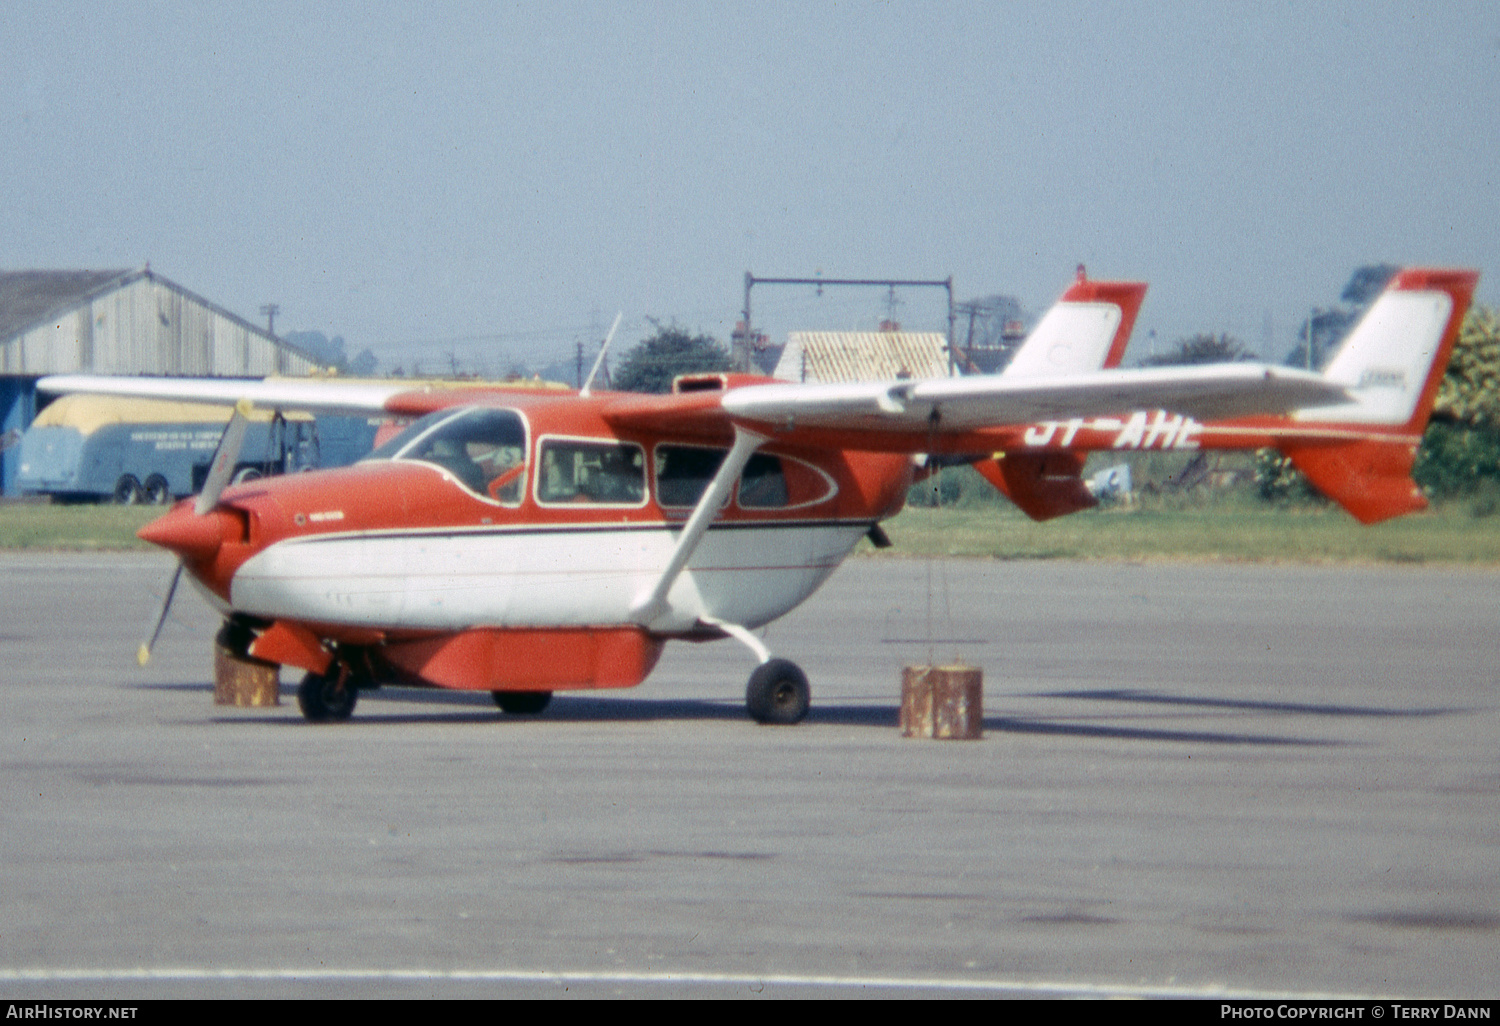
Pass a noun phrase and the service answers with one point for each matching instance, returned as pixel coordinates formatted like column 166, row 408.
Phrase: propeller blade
column 219, row 473
column 222, row 468
column 143, row 654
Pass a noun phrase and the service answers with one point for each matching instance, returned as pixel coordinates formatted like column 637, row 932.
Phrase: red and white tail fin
column 1361, row 454
column 1086, row 330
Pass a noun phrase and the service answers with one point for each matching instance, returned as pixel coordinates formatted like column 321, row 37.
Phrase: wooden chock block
column 942, row 702
column 242, row 681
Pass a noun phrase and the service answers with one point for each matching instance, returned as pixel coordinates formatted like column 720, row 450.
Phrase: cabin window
column 484, row 448
column 783, row 482
column 586, row 472
column 763, row 483
column 683, row 473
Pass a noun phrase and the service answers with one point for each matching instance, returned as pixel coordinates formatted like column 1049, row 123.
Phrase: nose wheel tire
column 522, row 703
column 323, row 699
column 778, row 693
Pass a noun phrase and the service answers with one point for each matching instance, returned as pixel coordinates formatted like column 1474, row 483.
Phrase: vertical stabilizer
column 1392, row 363
column 1086, row 330
column 1396, row 355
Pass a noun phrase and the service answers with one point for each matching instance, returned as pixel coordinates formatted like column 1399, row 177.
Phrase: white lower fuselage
column 447, row 579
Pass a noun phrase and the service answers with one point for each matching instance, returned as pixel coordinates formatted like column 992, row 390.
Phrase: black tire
column 157, row 491
column 778, row 693
column 127, row 491
column 245, row 474
column 522, row 703
column 322, row 700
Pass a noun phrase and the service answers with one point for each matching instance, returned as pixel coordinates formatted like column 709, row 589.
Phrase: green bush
column 1458, row 459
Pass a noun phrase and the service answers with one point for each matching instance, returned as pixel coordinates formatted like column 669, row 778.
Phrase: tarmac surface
column 1195, row 780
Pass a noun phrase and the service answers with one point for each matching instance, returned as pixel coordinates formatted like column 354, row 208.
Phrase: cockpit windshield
column 483, row 448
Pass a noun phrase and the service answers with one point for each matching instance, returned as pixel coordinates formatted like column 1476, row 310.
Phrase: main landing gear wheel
column 522, row 703
column 778, row 693
column 323, row 699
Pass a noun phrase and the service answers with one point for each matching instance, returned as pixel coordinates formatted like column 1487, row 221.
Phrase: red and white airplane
column 527, row 542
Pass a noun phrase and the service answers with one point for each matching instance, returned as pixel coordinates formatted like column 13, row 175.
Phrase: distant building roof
column 27, row 297
column 129, row 322
column 830, row 356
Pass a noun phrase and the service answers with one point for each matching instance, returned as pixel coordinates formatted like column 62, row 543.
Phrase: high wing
column 396, row 398
column 963, row 404
column 912, row 410
column 327, row 395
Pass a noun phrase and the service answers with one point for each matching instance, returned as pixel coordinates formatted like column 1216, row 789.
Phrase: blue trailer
column 101, row 448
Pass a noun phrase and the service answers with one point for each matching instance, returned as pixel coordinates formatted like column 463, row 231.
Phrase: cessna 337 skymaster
column 522, row 543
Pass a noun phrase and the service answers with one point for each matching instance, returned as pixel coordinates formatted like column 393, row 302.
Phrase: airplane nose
column 190, row 535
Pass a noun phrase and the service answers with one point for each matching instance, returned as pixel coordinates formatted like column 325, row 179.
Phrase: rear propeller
column 219, row 473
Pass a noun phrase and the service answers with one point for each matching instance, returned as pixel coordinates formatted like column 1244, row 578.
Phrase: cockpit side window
column 683, row 473
column 483, row 448
column 575, row 471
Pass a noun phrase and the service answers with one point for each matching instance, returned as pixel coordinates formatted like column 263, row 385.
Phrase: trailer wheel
column 127, row 491
column 245, row 474
column 158, row 492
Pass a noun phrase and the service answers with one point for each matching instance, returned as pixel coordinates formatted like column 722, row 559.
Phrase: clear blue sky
column 490, row 179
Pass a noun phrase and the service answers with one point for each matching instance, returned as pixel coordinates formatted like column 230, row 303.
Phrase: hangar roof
column 27, row 297
column 830, row 356
column 129, row 322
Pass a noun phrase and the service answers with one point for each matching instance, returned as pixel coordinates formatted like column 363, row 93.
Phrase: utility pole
column 270, row 310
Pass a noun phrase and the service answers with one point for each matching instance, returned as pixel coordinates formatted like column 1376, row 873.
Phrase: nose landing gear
column 327, row 697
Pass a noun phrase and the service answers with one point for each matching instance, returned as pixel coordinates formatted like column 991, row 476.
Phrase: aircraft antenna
column 599, row 362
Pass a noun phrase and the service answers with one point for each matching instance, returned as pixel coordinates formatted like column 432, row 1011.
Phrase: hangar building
column 117, row 322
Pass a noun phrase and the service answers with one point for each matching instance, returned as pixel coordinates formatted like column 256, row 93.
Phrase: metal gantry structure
column 742, row 358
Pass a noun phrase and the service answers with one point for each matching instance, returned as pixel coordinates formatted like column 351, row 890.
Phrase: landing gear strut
column 778, row 693
column 327, row 697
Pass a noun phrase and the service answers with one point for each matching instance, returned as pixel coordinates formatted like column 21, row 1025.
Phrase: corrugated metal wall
column 149, row 326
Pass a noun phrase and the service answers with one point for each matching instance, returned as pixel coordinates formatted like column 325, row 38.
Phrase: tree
column 1367, row 283
column 330, row 352
column 1328, row 327
column 1202, row 348
column 1460, row 451
column 655, row 361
